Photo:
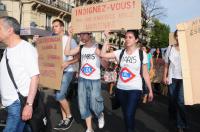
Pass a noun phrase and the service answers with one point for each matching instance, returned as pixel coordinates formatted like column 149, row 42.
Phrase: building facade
column 36, row 16
column 37, row 13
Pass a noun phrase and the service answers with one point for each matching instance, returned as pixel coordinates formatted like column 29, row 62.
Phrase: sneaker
column 89, row 130
column 59, row 126
column 101, row 121
column 65, row 124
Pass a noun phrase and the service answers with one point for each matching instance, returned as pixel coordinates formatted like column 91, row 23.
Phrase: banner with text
column 189, row 41
column 113, row 15
column 50, row 61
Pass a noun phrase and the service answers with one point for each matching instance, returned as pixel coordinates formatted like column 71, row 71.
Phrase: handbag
column 114, row 100
column 38, row 122
column 110, row 76
column 3, row 116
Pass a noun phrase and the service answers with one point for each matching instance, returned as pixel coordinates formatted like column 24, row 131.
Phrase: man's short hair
column 60, row 21
column 11, row 22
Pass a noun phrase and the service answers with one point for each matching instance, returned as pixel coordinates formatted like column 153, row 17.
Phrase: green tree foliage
column 159, row 35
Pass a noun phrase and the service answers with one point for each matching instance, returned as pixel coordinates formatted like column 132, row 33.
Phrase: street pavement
column 150, row 117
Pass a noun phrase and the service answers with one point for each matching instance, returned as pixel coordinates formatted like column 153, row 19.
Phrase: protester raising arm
column 68, row 50
column 104, row 54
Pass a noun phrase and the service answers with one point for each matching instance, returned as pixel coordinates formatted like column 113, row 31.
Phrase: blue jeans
column 89, row 97
column 129, row 100
column 66, row 80
column 176, row 102
column 14, row 122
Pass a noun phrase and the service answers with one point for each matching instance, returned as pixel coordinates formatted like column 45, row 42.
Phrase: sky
column 180, row 11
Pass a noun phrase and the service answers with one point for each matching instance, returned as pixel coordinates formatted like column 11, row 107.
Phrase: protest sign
column 113, row 15
column 189, row 43
column 50, row 61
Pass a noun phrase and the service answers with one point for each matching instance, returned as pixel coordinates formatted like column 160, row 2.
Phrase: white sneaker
column 89, row 130
column 101, row 121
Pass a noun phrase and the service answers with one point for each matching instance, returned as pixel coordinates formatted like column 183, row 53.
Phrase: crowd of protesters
column 134, row 79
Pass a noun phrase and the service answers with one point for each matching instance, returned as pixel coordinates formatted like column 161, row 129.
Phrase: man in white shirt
column 23, row 61
column 68, row 74
column 173, row 78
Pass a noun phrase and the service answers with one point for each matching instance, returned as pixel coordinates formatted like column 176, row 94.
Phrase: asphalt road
column 151, row 117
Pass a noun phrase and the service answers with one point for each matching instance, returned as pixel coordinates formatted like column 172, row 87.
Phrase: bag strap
column 10, row 73
column 81, row 47
column 120, row 58
column 141, row 60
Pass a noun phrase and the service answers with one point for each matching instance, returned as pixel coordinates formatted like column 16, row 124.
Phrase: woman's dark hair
column 155, row 54
column 134, row 32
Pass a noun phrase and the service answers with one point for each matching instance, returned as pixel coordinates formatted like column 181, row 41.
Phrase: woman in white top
column 173, row 78
column 129, row 84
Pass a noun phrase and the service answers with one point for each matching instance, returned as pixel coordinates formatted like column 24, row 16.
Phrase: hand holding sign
column 35, row 38
column 70, row 31
column 107, row 35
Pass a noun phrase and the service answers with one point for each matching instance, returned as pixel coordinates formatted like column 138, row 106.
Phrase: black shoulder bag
column 38, row 121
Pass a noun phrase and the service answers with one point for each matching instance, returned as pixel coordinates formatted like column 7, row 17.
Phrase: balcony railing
column 58, row 4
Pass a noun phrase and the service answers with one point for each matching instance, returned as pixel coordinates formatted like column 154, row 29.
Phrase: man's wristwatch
column 29, row 104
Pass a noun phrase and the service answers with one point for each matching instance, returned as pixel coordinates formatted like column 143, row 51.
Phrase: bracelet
column 29, row 104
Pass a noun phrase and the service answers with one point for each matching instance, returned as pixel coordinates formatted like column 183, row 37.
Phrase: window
column 48, row 22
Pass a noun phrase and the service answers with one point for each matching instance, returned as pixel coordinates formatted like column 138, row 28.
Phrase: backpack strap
column 120, row 57
column 100, row 46
column 141, row 60
column 81, row 47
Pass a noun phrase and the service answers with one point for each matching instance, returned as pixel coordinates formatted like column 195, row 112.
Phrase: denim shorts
column 66, row 80
column 89, row 97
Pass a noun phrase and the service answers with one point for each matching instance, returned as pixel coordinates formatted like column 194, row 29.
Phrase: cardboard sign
column 189, row 41
column 172, row 40
column 50, row 61
column 113, row 15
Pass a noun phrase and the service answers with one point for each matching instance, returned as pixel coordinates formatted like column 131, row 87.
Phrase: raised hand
column 35, row 38
column 107, row 34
